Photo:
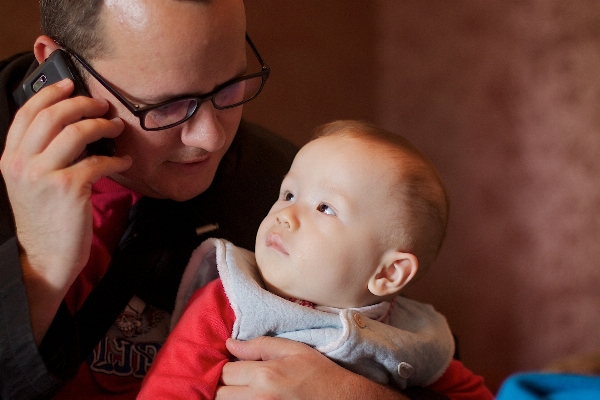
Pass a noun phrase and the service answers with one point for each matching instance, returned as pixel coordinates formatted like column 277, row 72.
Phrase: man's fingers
column 232, row 393
column 243, row 350
column 25, row 116
column 264, row 348
column 239, row 373
column 101, row 166
column 51, row 122
column 290, row 370
column 72, row 141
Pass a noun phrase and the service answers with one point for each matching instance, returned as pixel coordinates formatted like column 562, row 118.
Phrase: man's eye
column 325, row 209
column 287, row 196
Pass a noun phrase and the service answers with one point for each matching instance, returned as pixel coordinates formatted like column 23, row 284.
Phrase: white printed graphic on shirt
column 133, row 341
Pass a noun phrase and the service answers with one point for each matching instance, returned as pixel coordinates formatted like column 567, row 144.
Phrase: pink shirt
column 111, row 204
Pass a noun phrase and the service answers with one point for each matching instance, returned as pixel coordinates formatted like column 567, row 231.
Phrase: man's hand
column 50, row 195
column 275, row 368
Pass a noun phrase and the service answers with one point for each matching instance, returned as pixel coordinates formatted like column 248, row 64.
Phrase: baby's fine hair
column 423, row 197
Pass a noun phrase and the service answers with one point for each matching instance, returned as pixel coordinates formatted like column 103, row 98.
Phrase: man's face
column 325, row 236
column 158, row 50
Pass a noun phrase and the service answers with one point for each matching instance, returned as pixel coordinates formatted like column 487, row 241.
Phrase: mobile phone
column 57, row 67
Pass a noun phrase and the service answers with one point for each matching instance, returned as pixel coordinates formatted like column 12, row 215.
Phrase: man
column 72, row 262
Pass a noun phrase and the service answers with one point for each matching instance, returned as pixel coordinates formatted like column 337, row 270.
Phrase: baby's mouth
column 274, row 241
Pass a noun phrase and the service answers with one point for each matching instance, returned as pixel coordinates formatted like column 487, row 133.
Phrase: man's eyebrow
column 163, row 98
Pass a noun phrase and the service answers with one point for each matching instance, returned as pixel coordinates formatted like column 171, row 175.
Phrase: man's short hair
column 77, row 25
column 74, row 24
column 420, row 189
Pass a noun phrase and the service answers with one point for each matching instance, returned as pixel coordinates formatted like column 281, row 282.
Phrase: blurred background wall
column 504, row 97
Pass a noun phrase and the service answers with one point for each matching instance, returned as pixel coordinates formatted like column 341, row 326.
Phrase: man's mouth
column 191, row 166
column 193, row 160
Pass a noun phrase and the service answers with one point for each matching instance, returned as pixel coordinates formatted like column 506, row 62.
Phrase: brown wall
column 19, row 25
column 323, row 61
column 504, row 97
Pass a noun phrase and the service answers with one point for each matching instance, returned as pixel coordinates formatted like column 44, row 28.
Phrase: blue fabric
column 550, row 386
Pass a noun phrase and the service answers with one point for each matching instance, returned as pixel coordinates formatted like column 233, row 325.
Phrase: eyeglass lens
column 229, row 96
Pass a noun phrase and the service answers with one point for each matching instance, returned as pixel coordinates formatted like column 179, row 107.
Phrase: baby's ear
column 393, row 273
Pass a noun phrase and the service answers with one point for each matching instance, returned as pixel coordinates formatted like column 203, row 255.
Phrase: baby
column 360, row 214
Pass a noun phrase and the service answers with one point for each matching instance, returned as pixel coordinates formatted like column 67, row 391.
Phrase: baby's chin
column 275, row 280
column 286, row 294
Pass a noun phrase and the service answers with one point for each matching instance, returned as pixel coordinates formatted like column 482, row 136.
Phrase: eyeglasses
column 167, row 114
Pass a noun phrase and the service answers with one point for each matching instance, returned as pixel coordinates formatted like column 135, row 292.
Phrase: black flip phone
column 55, row 68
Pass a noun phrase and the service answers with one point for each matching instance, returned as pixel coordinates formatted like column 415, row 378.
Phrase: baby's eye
column 325, row 209
column 287, row 196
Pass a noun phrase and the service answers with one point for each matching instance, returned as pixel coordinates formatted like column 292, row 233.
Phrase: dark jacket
column 148, row 262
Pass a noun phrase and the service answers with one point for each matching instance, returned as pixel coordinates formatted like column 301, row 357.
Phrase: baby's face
column 325, row 235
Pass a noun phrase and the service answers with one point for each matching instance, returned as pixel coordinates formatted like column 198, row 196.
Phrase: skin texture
column 276, row 368
column 51, row 197
column 326, row 239
column 164, row 49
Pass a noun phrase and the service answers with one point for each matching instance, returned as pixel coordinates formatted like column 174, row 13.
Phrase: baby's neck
column 378, row 312
column 304, row 303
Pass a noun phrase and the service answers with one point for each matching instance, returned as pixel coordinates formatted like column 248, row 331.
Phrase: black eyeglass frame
column 141, row 112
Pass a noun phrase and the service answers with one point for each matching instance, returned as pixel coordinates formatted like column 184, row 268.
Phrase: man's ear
column 394, row 272
column 43, row 47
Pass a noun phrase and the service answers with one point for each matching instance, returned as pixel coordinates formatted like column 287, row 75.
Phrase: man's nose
column 204, row 130
column 288, row 217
